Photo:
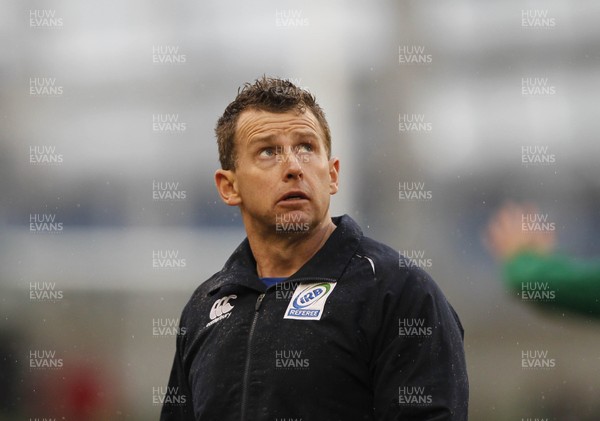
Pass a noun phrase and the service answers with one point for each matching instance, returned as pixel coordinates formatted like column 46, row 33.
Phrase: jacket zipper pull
column 259, row 302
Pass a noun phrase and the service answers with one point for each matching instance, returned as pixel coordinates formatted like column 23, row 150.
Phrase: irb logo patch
column 308, row 301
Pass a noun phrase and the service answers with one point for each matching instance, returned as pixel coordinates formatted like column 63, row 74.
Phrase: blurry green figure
column 534, row 270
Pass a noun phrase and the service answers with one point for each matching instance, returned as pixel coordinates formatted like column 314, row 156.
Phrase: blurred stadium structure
column 142, row 85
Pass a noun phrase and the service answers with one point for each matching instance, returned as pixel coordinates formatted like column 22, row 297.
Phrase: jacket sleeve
column 177, row 404
column 418, row 364
column 573, row 285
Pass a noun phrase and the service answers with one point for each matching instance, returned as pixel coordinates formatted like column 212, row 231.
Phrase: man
column 308, row 320
column 534, row 270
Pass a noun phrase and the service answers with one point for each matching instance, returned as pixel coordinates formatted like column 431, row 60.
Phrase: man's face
column 282, row 173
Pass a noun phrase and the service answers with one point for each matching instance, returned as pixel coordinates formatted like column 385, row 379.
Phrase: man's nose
column 291, row 160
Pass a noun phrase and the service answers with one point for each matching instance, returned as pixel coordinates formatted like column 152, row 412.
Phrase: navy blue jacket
column 358, row 333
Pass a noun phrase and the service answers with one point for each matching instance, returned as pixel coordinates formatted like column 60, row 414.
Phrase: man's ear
column 334, row 171
column 227, row 187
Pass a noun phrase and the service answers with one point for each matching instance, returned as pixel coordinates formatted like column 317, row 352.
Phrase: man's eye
column 305, row 147
column 267, row 152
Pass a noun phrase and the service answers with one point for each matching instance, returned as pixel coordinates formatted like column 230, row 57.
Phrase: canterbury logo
column 220, row 309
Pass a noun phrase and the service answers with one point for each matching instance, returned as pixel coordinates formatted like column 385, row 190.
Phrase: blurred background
column 109, row 217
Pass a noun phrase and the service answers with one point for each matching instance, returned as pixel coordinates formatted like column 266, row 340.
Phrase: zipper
column 259, row 300
column 248, row 354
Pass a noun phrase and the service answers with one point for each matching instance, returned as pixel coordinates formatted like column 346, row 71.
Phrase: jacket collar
column 327, row 264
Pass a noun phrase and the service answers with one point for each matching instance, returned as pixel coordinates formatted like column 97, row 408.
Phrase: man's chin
column 292, row 222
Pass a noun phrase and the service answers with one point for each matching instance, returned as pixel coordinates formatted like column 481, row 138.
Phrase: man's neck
column 281, row 255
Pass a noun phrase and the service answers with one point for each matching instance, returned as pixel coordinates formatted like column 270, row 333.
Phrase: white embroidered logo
column 220, row 310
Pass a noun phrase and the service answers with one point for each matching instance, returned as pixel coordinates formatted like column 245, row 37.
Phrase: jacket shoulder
column 394, row 270
column 201, row 293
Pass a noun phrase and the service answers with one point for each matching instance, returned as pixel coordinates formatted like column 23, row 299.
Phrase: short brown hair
column 269, row 94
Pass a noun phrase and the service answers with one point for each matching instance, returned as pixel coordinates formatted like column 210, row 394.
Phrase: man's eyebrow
column 305, row 134
column 270, row 138
column 262, row 139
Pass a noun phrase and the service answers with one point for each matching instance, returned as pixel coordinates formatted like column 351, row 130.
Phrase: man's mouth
column 296, row 195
